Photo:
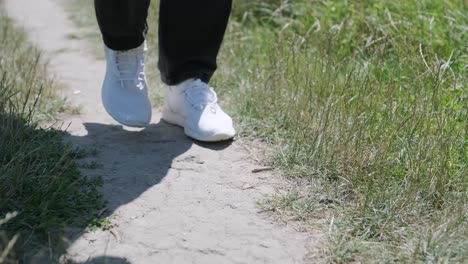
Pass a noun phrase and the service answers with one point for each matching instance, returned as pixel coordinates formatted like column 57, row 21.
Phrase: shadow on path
column 130, row 162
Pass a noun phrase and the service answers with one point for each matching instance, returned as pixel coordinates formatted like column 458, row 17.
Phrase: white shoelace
column 200, row 95
column 131, row 67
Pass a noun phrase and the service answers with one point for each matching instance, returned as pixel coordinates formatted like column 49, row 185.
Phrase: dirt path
column 170, row 200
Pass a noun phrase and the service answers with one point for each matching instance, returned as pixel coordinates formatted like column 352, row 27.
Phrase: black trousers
column 190, row 33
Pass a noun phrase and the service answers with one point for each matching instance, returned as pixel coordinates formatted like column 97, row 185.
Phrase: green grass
column 41, row 189
column 22, row 65
column 365, row 104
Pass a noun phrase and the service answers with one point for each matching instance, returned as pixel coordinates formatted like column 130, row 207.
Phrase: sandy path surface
column 170, row 200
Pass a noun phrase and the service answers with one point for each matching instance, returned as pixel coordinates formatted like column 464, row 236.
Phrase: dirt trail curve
column 171, row 200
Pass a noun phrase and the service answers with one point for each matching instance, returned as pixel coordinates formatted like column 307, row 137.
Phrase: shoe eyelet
column 213, row 109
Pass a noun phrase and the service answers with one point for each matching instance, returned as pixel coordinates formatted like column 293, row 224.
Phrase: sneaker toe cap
column 134, row 111
column 213, row 128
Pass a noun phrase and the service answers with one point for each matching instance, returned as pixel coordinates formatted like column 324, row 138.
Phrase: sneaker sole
column 136, row 124
column 178, row 120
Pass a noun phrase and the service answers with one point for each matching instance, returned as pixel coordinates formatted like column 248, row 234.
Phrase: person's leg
column 124, row 91
column 190, row 35
column 122, row 22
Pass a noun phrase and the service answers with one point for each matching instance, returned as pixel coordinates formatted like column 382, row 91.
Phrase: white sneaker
column 193, row 106
column 125, row 90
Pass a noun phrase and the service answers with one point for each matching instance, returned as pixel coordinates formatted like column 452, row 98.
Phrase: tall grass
column 369, row 101
column 41, row 189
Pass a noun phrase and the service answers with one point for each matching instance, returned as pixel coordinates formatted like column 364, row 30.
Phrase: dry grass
column 41, row 189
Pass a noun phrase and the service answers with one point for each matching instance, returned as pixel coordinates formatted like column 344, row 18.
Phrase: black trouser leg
column 122, row 22
column 190, row 33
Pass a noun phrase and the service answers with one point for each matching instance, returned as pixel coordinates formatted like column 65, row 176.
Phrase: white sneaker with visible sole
column 125, row 90
column 193, row 106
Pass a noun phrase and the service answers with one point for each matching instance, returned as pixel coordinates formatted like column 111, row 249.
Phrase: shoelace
column 200, row 95
column 129, row 69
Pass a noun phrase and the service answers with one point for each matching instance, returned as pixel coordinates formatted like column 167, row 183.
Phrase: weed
column 39, row 179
